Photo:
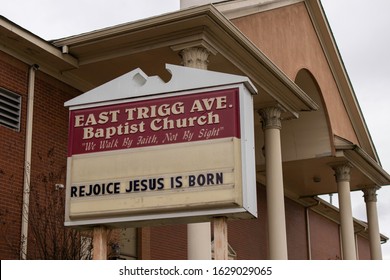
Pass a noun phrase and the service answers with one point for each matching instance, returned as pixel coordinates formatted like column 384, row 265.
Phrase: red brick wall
column 249, row 238
column 49, row 154
column 363, row 248
column 13, row 77
column 296, row 231
column 49, row 147
column 169, row 242
column 324, row 235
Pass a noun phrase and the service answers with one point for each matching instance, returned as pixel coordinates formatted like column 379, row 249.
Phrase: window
column 10, row 109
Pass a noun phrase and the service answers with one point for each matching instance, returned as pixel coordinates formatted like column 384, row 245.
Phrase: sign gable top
column 136, row 84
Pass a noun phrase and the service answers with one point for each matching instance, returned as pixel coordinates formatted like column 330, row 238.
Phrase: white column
column 342, row 174
column 198, row 234
column 370, row 198
column 277, row 236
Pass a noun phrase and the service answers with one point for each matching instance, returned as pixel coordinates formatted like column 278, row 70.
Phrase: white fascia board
column 136, row 84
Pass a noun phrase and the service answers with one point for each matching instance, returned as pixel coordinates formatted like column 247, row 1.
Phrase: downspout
column 357, row 241
column 27, row 162
column 307, row 216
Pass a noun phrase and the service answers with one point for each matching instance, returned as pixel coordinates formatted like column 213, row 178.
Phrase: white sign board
column 158, row 157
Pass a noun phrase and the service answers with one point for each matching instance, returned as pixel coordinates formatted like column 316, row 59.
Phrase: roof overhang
column 33, row 49
column 153, row 42
column 365, row 165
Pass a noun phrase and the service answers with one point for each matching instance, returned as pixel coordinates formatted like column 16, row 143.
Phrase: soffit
column 311, row 177
column 32, row 49
column 315, row 176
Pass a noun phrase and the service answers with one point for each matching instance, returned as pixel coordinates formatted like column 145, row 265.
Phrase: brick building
column 284, row 47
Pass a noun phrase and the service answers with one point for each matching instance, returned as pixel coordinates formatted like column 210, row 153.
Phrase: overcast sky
column 361, row 29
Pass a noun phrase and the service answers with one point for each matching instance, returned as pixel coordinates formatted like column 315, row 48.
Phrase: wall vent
column 10, row 109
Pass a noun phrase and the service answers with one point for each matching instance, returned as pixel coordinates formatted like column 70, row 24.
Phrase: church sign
column 158, row 152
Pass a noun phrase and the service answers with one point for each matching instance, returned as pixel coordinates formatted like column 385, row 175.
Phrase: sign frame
column 248, row 209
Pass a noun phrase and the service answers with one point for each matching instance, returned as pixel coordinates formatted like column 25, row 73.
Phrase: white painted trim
column 149, row 219
column 241, row 8
column 184, row 4
column 37, row 41
column 248, row 161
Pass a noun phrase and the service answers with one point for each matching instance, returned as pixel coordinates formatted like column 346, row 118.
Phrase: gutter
column 27, row 163
column 365, row 164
